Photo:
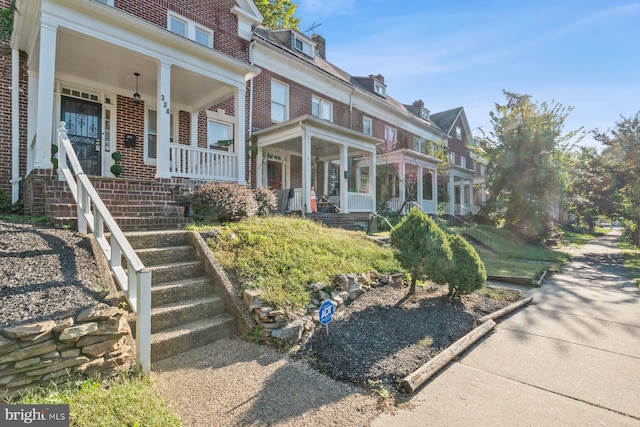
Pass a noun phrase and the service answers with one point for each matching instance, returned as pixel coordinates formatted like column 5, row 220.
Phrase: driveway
column 572, row 358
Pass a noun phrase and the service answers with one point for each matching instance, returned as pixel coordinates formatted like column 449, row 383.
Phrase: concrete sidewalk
column 570, row 359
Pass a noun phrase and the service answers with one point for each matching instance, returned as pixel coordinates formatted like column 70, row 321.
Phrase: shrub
column 267, row 201
column 422, row 247
column 467, row 272
column 223, row 202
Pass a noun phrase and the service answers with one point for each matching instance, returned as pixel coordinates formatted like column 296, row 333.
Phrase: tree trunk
column 412, row 289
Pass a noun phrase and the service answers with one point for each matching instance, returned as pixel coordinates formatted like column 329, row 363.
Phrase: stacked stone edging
column 96, row 341
column 345, row 288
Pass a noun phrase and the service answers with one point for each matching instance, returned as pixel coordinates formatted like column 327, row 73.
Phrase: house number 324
column 164, row 104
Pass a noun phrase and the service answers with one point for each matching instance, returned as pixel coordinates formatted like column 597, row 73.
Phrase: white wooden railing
column 134, row 279
column 359, row 202
column 201, row 163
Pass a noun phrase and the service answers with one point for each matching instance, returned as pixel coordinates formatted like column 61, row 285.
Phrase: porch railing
column 134, row 279
column 202, row 163
column 359, row 202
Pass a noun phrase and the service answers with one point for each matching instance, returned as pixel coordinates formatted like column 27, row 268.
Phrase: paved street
column 572, row 358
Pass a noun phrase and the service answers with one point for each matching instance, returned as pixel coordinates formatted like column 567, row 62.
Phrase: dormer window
column 186, row 28
column 303, row 46
column 424, row 113
column 379, row 89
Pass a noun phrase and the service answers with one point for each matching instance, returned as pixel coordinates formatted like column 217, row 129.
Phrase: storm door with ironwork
column 83, row 119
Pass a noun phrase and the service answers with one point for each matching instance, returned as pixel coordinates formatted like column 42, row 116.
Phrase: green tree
column 467, row 272
column 620, row 160
column 278, row 14
column 422, row 248
column 527, row 154
column 587, row 194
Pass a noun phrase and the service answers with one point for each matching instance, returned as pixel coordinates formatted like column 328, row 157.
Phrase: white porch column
column 419, row 189
column 452, row 195
column 403, row 185
column 46, row 77
column 239, row 133
column 372, row 182
column 259, row 169
column 434, row 187
column 32, row 114
column 483, row 194
column 15, row 125
column 326, row 178
column 164, row 118
column 306, row 171
column 344, row 182
column 194, row 128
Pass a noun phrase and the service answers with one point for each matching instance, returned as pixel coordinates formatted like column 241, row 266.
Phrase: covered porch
column 85, row 62
column 407, row 177
column 320, row 166
column 459, row 188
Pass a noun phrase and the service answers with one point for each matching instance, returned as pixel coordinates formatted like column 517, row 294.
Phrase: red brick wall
column 5, row 113
column 457, row 145
column 131, row 120
column 212, row 14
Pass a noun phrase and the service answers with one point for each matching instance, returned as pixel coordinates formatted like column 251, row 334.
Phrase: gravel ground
column 44, row 273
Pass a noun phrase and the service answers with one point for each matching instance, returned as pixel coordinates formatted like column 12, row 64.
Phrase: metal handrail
column 135, row 279
column 473, row 231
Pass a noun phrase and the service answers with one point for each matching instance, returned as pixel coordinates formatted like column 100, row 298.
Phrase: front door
column 83, row 119
column 274, row 175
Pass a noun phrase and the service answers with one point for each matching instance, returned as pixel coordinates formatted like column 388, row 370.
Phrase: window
column 279, row 102
column 107, row 2
column 219, row 135
column 189, row 29
column 303, row 46
column 321, row 108
column 419, row 145
column 151, row 143
column 390, row 138
column 378, row 88
column 427, row 186
column 424, row 113
column 367, row 126
column 458, row 132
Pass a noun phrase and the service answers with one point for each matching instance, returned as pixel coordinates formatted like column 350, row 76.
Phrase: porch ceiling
column 105, row 65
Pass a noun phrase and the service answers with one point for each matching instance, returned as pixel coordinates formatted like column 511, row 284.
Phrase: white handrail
column 135, row 279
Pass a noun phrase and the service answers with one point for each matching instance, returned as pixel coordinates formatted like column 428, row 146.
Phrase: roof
column 446, row 119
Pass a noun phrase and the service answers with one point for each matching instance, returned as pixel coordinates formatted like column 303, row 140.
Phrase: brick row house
column 196, row 90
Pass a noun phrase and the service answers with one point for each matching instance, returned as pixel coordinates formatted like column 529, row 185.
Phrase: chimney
column 321, row 45
column 418, row 103
column 379, row 78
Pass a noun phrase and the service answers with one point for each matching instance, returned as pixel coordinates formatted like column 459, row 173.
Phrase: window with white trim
column 107, row 2
column 151, row 134
column 458, row 132
column 424, row 113
column 321, row 108
column 390, row 138
column 303, row 46
column 219, row 135
column 379, row 89
column 279, row 101
column 419, row 145
column 186, row 28
column 367, row 126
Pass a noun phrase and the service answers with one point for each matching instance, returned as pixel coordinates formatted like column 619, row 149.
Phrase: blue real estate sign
column 326, row 311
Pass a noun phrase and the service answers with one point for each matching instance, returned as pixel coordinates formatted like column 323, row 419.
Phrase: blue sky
column 579, row 53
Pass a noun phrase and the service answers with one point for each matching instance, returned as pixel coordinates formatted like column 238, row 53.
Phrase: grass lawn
column 631, row 260
column 123, row 401
column 514, row 258
column 281, row 255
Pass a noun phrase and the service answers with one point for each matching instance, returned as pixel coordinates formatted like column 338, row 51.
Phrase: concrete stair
column 186, row 312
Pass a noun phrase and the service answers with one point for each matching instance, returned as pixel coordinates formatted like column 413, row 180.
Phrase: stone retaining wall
column 97, row 340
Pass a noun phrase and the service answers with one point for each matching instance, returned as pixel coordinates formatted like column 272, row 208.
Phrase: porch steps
column 186, row 312
column 135, row 205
